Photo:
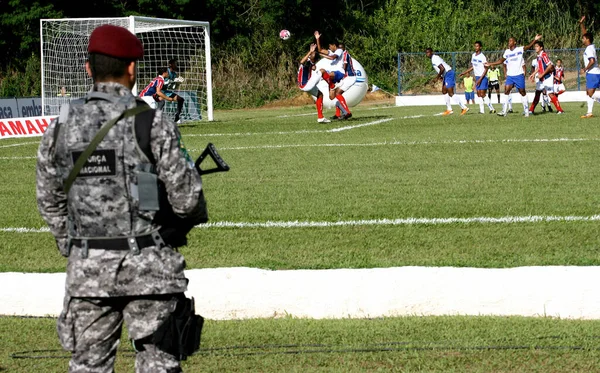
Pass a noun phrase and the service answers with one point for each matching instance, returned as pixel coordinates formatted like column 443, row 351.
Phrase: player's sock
column 179, row 105
column 536, row 99
column 342, row 101
column 339, row 108
column 319, row 104
column 338, row 112
column 525, row 102
column 505, row 103
column 480, row 99
column 447, row 100
column 510, row 102
column 590, row 104
column 486, row 100
column 461, row 101
column 556, row 103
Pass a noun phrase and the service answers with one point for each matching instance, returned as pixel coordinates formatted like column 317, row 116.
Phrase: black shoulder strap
column 143, row 127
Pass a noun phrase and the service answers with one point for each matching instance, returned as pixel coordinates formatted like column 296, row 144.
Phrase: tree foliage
column 244, row 32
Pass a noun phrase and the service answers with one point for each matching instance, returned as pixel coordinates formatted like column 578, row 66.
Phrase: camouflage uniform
column 105, row 287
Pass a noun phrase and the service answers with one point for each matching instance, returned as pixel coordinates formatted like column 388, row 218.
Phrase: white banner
column 24, row 127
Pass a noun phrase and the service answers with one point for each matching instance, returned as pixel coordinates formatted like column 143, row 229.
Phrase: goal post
column 64, row 52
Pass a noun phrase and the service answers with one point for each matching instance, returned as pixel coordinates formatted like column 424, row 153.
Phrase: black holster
column 180, row 334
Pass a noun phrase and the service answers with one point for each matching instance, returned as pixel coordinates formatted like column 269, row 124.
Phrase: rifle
column 174, row 228
column 212, row 151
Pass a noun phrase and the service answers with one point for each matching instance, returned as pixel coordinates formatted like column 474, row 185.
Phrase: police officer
column 119, row 267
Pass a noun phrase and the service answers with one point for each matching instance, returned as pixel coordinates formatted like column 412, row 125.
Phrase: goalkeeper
column 171, row 82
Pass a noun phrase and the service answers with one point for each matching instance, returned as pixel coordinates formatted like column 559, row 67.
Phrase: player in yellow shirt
column 493, row 75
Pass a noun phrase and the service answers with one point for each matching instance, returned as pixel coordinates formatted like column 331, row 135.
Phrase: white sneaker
column 323, row 120
column 179, row 121
column 501, row 114
column 526, row 114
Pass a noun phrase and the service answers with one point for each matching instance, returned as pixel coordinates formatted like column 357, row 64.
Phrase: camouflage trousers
column 91, row 329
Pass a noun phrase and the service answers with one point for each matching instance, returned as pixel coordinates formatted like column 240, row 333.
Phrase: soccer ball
column 179, row 79
column 284, row 34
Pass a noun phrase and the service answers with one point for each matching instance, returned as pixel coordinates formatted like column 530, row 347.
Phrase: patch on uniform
column 183, row 150
column 99, row 163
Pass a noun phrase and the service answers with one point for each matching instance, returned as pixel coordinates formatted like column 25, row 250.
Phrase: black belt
column 115, row 243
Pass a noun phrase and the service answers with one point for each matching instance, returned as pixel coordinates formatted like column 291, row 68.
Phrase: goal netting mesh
column 64, row 52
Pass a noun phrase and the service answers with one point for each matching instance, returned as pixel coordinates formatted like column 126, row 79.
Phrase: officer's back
column 102, row 210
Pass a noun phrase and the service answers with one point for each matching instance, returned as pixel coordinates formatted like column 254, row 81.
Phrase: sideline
column 343, row 223
column 567, row 292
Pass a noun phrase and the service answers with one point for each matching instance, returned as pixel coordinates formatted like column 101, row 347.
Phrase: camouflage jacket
column 97, row 208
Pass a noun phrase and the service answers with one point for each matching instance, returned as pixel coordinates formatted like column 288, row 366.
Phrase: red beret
column 115, row 41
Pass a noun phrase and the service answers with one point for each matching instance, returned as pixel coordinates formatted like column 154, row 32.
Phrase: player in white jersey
column 592, row 71
column 478, row 67
column 445, row 73
column 515, row 74
column 334, row 53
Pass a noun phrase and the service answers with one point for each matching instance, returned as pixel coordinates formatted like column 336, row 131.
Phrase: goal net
column 64, row 52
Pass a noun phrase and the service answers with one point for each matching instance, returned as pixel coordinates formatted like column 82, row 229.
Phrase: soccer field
column 392, row 187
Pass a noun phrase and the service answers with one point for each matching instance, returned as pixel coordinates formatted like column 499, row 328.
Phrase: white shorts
column 311, row 84
column 559, row 88
column 150, row 101
column 347, row 82
column 547, row 84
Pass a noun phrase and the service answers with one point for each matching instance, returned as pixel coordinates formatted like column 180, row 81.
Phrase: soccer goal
column 64, row 52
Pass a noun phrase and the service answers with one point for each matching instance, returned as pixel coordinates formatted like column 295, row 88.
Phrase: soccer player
column 341, row 60
column 539, row 86
column 308, row 78
column 478, row 61
column 592, row 71
column 559, row 77
column 446, row 74
column 493, row 76
column 545, row 78
column 170, row 84
column 515, row 74
column 154, row 89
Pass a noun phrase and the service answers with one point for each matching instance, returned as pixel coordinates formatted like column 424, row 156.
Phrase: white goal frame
column 63, row 66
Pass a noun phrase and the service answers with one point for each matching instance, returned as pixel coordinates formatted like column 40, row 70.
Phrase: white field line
column 367, row 124
column 300, row 132
column 20, row 144
column 341, row 223
column 386, row 143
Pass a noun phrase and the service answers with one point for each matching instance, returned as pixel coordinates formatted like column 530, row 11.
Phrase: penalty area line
column 405, row 221
column 409, row 143
column 371, row 222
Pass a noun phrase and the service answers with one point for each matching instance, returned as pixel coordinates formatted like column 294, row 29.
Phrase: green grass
column 287, row 169
column 408, row 344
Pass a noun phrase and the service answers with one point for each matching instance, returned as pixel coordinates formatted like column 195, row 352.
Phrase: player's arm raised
column 530, row 45
column 582, row 25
